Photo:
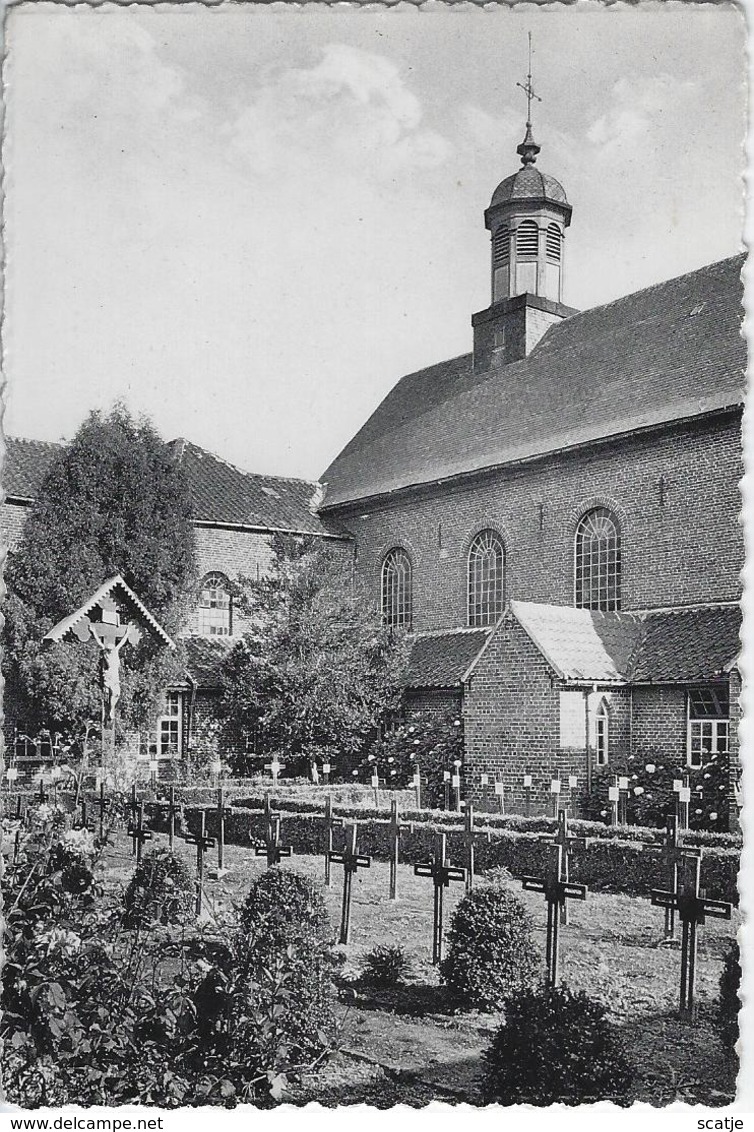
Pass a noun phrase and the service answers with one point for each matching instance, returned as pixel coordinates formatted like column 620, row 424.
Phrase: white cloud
column 636, row 111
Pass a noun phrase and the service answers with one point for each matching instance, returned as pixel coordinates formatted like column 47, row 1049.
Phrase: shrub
column 729, row 1003
column 162, row 890
column 285, row 929
column 555, row 1046
column 434, row 743
column 385, row 966
column 491, row 952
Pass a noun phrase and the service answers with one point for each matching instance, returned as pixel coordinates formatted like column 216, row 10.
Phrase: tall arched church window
column 215, row 607
column 501, row 246
column 486, row 578
column 553, row 243
column 527, row 240
column 602, row 734
column 396, row 589
column 598, row 561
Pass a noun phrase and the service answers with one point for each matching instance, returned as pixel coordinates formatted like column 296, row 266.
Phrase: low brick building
column 555, row 515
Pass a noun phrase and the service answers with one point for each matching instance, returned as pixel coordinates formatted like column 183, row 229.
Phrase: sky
column 247, row 222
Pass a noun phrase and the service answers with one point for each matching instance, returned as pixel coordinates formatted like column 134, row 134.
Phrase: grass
column 408, row 1045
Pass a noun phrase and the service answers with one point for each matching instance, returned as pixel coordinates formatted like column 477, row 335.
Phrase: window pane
column 215, row 607
column 598, row 562
column 486, row 579
column 396, row 589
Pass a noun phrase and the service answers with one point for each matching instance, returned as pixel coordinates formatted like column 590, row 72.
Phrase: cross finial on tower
column 528, row 148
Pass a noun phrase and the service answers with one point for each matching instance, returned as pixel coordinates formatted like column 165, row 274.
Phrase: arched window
column 215, row 607
column 527, row 240
column 553, row 243
column 486, row 578
column 396, row 589
column 501, row 246
column 602, row 734
column 598, row 566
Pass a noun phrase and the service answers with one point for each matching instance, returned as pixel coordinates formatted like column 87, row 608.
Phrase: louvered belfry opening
column 553, row 243
column 527, row 240
column 501, row 246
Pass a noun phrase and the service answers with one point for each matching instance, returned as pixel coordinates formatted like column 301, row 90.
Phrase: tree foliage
column 316, row 670
column 114, row 501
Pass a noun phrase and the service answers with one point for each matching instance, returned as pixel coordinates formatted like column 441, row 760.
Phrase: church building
column 554, row 516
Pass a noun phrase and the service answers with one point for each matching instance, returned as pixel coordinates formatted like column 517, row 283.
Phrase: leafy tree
column 114, row 501
column 316, row 670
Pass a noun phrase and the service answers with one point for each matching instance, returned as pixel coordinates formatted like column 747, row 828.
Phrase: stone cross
column 138, row 833
column 557, row 890
column 203, row 843
column 330, row 822
column 671, row 852
column 351, row 862
column 569, row 842
column 469, row 833
column 274, row 768
column 271, row 847
column 222, row 812
column 693, row 908
column 395, row 829
column 442, row 873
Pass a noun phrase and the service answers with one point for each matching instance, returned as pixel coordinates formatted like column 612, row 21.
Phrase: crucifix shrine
column 568, row 842
column 330, row 823
column 556, row 891
column 693, row 908
column 395, row 829
column 112, row 617
column 351, row 862
column 442, row 873
column 271, row 846
column 139, row 833
column 203, row 843
column 671, row 852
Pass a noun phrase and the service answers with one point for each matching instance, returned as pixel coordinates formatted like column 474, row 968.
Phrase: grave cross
column 693, row 907
column 222, row 812
column 569, row 842
column 16, row 845
column 134, row 807
column 395, row 828
column 330, row 822
column 442, row 873
column 203, row 843
column 173, row 810
column 274, row 768
column 682, row 790
column 469, row 833
column 557, row 890
column 138, row 833
column 670, row 853
column 456, row 782
column 417, row 784
column 104, row 804
column 271, row 847
column 42, row 791
column 20, row 812
column 351, row 862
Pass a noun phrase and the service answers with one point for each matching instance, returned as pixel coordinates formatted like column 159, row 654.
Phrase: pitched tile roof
column 440, row 660
column 221, row 493
column 204, row 657
column 659, row 646
column 670, row 352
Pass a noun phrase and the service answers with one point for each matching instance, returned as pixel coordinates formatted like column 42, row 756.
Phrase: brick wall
column 659, row 723
column 439, row 702
column 12, row 519
column 681, row 544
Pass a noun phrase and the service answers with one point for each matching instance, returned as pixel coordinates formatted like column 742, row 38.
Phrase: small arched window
column 598, row 561
column 602, row 734
column 553, row 243
column 396, row 589
column 486, row 578
column 501, row 246
column 527, row 240
column 215, row 607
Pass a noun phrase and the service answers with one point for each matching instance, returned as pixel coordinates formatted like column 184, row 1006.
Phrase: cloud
column 637, row 111
column 352, row 111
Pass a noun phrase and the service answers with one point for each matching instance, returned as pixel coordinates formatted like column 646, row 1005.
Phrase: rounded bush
column 491, row 951
column 556, row 1047
column 285, row 930
column 729, row 1003
column 162, row 890
column 385, row 966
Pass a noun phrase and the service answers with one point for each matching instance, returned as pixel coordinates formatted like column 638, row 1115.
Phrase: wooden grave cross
column 527, row 794
column 671, row 852
column 693, row 907
column 456, row 783
column 274, row 768
column 173, row 810
column 442, row 873
column 682, row 790
column 417, row 784
column 42, row 791
column 469, row 833
column 16, row 845
column 138, row 833
column 351, row 861
column 555, row 788
column 396, row 828
column 134, row 807
column 20, row 809
column 326, row 768
column 557, row 890
column 271, row 847
column 330, row 823
column 203, row 843
column 222, row 812
column 104, row 805
column 569, row 842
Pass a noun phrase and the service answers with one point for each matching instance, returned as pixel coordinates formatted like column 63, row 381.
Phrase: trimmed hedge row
column 606, row 865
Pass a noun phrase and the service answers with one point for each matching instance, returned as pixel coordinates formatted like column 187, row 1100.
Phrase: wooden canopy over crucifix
column 112, row 617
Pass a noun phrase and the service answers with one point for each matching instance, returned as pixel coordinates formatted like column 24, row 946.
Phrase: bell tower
column 527, row 219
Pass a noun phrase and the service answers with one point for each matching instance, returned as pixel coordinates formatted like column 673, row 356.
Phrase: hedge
column 606, row 865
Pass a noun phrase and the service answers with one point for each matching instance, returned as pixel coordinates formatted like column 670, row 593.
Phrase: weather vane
column 528, row 89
